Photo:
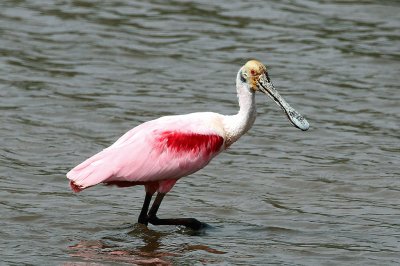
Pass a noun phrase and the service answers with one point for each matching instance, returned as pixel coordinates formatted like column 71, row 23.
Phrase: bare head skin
column 252, row 71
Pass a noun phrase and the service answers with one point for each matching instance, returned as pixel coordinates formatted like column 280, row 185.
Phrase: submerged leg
column 188, row 222
column 143, row 218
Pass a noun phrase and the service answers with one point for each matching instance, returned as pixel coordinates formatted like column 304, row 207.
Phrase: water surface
column 75, row 75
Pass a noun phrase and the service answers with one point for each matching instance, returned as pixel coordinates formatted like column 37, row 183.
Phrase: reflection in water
column 204, row 248
column 149, row 254
column 152, row 240
column 76, row 74
column 152, row 252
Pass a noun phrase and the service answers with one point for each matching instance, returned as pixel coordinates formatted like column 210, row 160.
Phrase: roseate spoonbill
column 158, row 153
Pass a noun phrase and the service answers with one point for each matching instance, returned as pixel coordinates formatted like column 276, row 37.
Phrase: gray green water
column 75, row 75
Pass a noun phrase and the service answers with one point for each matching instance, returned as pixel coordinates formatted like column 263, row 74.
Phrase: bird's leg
column 143, row 218
column 188, row 222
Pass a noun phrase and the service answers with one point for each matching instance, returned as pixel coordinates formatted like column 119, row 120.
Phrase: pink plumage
column 159, row 152
column 155, row 154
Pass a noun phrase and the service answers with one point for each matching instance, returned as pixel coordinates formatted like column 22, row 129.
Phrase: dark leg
column 143, row 218
column 188, row 222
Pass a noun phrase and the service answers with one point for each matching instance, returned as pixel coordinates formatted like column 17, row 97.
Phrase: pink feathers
column 191, row 142
column 155, row 154
column 75, row 187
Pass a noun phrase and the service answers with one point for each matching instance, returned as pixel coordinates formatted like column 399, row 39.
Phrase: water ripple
column 75, row 75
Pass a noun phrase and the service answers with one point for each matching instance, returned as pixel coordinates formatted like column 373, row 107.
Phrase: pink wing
column 166, row 148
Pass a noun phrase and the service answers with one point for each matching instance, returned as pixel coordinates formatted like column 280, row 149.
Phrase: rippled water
column 75, row 75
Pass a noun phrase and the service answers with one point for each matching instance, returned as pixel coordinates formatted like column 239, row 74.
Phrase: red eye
column 252, row 72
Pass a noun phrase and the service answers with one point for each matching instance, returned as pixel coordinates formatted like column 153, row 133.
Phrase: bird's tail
column 89, row 173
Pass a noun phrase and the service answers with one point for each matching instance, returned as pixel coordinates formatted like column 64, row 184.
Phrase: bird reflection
column 151, row 251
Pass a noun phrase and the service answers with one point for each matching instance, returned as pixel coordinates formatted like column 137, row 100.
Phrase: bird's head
column 254, row 76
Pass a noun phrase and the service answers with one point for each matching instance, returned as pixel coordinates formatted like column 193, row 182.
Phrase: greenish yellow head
column 252, row 71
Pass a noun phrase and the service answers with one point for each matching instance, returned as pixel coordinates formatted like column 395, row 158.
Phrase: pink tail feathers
column 89, row 173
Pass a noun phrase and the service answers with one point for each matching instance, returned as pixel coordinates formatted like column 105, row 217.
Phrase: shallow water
column 75, row 75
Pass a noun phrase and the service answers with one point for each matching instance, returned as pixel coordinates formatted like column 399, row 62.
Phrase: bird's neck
column 237, row 125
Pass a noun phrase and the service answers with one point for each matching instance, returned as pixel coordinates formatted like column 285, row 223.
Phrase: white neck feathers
column 237, row 125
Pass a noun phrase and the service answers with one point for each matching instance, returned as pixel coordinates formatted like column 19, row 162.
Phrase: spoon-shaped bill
column 294, row 117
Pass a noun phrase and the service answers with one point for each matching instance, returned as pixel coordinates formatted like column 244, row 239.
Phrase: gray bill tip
column 298, row 120
column 294, row 117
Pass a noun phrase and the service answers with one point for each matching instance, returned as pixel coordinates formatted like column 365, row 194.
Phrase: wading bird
column 158, row 153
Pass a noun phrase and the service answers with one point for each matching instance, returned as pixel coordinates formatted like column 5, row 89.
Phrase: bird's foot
column 143, row 219
column 191, row 223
